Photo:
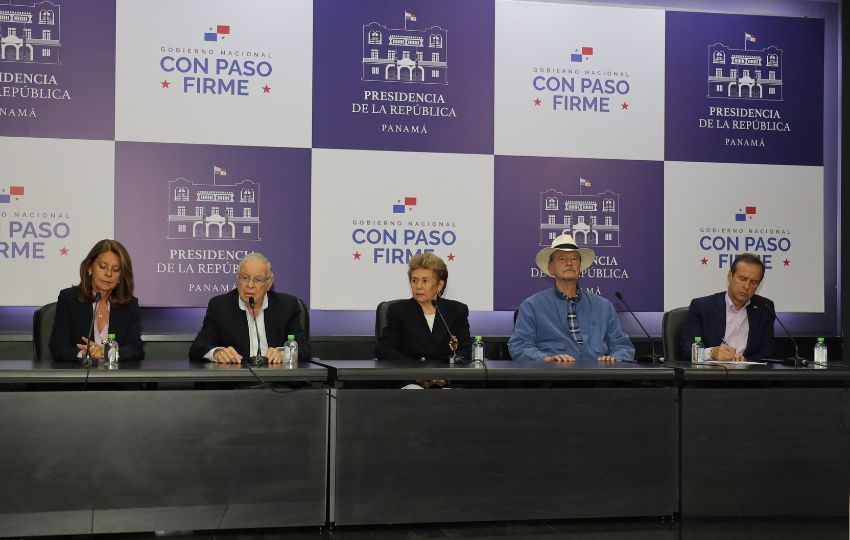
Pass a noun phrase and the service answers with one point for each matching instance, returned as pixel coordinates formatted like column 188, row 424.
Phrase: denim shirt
column 542, row 330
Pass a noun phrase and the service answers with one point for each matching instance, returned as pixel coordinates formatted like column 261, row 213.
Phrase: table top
column 770, row 372
column 154, row 371
column 504, row 370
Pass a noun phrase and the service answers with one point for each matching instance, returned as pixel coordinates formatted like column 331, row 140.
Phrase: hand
column 432, row 383
column 274, row 355
column 606, row 359
column 95, row 349
column 724, row 352
column 559, row 358
column 227, row 356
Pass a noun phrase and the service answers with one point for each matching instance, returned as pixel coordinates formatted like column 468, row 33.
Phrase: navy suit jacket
column 225, row 325
column 707, row 319
column 73, row 320
column 407, row 336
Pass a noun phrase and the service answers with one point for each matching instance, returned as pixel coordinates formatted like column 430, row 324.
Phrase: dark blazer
column 225, row 325
column 707, row 319
column 407, row 336
column 73, row 320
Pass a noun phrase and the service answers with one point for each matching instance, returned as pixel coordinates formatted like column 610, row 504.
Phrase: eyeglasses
column 247, row 280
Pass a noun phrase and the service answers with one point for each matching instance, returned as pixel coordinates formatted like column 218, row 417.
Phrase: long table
column 765, row 440
column 122, row 456
column 542, row 441
column 172, row 445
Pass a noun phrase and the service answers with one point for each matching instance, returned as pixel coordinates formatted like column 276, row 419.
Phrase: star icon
column 624, row 106
column 536, row 102
column 451, row 256
column 703, row 261
column 357, row 255
column 266, row 89
column 165, row 84
column 63, row 251
column 786, row 262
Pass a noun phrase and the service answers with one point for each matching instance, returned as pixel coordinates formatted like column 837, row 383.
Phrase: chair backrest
column 42, row 327
column 304, row 318
column 381, row 317
column 671, row 327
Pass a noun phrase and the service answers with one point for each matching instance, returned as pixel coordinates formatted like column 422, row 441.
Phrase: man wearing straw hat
column 564, row 323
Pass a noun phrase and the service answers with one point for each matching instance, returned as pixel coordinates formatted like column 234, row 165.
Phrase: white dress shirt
column 253, row 332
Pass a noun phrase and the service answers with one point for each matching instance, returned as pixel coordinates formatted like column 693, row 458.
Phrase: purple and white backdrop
column 660, row 138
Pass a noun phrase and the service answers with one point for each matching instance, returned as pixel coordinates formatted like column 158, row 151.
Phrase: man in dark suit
column 228, row 333
column 736, row 324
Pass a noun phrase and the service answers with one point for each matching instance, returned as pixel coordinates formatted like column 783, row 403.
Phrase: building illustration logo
column 592, row 219
column 403, row 55
column 214, row 211
column 30, row 33
column 746, row 73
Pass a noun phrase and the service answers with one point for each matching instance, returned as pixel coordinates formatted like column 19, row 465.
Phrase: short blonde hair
column 429, row 261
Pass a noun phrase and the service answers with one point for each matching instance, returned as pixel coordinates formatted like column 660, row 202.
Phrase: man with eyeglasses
column 229, row 335
column 736, row 324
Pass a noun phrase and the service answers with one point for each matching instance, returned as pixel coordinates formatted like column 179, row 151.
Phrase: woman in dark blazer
column 105, row 293
column 415, row 329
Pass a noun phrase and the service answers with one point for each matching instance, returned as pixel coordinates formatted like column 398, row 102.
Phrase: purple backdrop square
column 338, row 49
column 688, row 38
column 142, row 197
column 519, row 182
column 86, row 32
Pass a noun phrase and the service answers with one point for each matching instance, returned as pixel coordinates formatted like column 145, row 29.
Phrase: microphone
column 87, row 357
column 452, row 340
column 259, row 358
column 653, row 357
column 797, row 358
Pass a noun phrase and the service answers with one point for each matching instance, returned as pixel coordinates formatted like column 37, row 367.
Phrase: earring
column 89, row 273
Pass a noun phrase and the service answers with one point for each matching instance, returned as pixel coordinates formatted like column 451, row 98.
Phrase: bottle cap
column 820, row 340
column 290, row 336
column 697, row 339
column 478, row 338
column 112, row 337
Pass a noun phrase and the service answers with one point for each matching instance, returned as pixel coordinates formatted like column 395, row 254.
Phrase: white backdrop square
column 214, row 72
column 579, row 81
column 363, row 233
column 56, row 202
column 713, row 211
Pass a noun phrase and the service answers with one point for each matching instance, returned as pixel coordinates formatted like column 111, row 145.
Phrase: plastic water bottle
column 478, row 349
column 110, row 351
column 697, row 351
column 820, row 352
column 290, row 351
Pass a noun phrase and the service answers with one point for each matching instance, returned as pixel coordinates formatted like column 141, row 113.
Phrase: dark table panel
column 775, row 444
column 403, row 456
column 161, row 460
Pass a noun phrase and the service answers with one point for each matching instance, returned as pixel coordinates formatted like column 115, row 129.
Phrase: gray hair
column 256, row 255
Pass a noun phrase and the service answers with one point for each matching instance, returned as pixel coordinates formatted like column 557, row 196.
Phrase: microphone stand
column 87, row 356
column 797, row 358
column 259, row 359
column 453, row 341
column 653, row 358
